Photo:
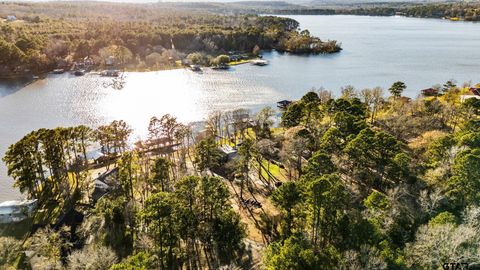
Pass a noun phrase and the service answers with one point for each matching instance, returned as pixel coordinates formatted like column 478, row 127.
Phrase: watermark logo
column 455, row 266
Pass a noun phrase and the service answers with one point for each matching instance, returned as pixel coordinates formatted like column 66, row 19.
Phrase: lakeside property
column 304, row 159
column 405, row 52
column 363, row 162
column 37, row 43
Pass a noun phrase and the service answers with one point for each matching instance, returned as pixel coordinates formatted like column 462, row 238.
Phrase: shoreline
column 450, row 19
column 30, row 76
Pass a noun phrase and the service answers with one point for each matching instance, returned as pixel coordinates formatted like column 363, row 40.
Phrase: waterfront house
column 88, row 61
column 160, row 146
column 85, row 64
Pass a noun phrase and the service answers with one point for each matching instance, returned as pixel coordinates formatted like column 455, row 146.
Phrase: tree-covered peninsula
column 39, row 37
column 367, row 180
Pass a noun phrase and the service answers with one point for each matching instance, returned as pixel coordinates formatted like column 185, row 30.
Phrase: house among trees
column 283, row 104
column 475, row 94
column 103, row 183
column 86, row 63
column 160, row 146
column 475, row 91
column 229, row 153
column 100, row 189
column 430, row 92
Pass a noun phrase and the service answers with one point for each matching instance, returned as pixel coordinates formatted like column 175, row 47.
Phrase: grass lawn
column 275, row 170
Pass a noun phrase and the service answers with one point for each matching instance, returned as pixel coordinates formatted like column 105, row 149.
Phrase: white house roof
column 100, row 184
column 465, row 97
column 94, row 154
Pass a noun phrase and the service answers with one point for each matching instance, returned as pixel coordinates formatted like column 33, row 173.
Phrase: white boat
column 195, row 68
column 259, row 62
column 16, row 211
column 58, row 71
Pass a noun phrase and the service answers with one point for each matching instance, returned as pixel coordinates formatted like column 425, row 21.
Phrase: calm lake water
column 377, row 51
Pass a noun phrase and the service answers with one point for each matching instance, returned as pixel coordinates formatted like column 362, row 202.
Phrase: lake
column 377, row 52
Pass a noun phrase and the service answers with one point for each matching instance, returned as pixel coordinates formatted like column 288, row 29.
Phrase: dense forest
column 362, row 181
column 45, row 36
column 464, row 10
column 369, row 179
column 468, row 11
